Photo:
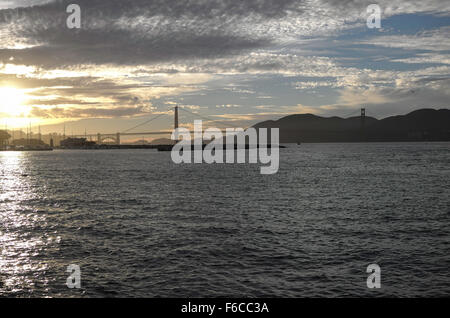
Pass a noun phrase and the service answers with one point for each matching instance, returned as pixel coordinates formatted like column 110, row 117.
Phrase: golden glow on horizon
column 12, row 102
column 12, row 106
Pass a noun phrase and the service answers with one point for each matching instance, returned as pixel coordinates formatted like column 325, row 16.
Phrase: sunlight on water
column 140, row 226
column 20, row 244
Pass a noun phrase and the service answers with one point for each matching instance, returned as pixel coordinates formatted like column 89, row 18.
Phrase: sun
column 12, row 102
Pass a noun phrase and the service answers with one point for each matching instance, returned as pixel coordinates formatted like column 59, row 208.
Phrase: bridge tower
column 118, row 138
column 176, row 118
column 363, row 117
column 99, row 139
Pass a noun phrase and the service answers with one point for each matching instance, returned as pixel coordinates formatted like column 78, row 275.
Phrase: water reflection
column 21, row 228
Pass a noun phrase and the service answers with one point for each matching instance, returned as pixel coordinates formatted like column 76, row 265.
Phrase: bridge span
column 115, row 138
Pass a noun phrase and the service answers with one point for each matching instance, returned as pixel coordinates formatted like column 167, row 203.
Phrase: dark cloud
column 138, row 32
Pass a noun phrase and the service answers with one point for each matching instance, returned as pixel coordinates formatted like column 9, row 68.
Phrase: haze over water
column 139, row 225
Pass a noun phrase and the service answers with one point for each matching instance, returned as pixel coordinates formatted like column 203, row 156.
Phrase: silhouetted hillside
column 420, row 125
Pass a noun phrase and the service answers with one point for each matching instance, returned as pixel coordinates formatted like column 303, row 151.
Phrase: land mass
column 419, row 125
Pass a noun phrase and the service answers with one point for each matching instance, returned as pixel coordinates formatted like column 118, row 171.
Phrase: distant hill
column 140, row 142
column 419, row 125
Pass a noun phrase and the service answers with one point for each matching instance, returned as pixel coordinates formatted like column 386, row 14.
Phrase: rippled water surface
column 139, row 225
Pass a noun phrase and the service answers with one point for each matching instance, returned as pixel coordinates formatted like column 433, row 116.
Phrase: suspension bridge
column 115, row 138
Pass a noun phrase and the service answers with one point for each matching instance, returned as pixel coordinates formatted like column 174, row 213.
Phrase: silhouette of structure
column 419, row 125
column 423, row 124
column 363, row 118
column 176, row 118
column 77, row 143
column 115, row 138
column 4, row 137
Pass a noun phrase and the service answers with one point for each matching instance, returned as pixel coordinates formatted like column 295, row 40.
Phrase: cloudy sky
column 239, row 62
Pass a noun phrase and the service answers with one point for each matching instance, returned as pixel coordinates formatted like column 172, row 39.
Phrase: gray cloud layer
column 131, row 32
column 137, row 32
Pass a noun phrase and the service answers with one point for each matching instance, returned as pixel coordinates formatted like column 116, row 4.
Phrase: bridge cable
column 144, row 123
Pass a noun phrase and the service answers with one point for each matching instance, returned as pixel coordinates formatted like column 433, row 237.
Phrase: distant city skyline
column 132, row 60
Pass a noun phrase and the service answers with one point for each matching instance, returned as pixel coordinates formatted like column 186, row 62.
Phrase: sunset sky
column 237, row 61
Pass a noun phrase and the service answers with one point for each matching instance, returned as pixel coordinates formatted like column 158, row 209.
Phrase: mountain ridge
column 424, row 124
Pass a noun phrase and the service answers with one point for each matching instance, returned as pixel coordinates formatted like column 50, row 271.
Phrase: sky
column 237, row 62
